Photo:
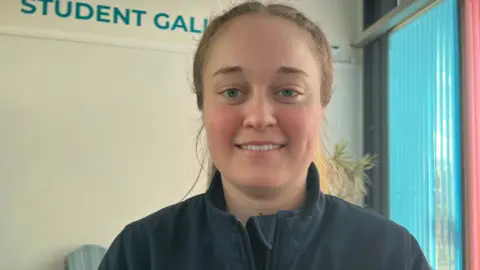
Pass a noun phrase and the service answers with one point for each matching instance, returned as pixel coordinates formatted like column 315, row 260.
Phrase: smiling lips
column 260, row 146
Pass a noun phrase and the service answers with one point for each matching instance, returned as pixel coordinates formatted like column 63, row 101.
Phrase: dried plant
column 353, row 187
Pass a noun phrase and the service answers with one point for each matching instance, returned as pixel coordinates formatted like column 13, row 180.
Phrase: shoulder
column 156, row 232
column 359, row 217
column 385, row 238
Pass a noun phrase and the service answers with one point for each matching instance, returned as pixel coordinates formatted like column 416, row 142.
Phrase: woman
column 263, row 76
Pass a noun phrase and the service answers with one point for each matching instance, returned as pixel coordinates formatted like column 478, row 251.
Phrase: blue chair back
column 87, row 257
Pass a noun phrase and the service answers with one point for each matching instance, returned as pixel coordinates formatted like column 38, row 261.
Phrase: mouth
column 260, row 147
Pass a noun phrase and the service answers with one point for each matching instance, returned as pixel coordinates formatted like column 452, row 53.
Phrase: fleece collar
column 286, row 232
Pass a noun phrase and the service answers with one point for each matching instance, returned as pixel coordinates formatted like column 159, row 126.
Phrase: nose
column 259, row 113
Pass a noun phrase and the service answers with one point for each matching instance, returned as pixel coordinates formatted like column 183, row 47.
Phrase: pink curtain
column 472, row 57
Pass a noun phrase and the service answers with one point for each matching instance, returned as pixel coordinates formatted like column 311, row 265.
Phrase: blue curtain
column 424, row 133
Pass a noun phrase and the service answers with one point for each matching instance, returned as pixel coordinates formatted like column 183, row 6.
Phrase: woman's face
column 262, row 110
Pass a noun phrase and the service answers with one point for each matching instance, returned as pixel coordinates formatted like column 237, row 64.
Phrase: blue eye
column 232, row 93
column 288, row 93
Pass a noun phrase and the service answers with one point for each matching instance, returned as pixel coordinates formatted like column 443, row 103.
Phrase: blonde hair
column 328, row 170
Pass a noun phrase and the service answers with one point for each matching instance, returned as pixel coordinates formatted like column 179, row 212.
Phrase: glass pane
column 424, row 133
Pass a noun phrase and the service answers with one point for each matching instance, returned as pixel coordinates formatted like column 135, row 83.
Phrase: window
column 424, row 133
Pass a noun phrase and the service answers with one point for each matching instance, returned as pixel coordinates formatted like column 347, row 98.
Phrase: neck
column 247, row 202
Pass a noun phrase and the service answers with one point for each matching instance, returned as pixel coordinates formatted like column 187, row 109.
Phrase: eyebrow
column 291, row 70
column 239, row 69
column 228, row 70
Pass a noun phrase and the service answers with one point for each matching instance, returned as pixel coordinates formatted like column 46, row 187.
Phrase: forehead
column 262, row 42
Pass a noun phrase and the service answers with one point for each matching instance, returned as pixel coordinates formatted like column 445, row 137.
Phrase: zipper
column 247, row 246
column 269, row 259
column 272, row 255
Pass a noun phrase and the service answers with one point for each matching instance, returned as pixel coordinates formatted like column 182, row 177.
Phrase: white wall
column 98, row 129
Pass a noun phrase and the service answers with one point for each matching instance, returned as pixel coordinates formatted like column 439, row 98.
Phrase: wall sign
column 82, row 11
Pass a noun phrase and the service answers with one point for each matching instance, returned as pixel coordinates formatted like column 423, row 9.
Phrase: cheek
column 221, row 126
column 302, row 124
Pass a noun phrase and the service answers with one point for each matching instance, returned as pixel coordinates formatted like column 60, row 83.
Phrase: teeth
column 264, row 147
